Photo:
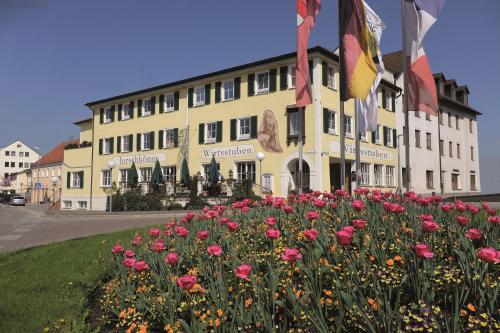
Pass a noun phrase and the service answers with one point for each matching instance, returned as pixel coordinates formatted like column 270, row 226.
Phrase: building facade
column 232, row 115
column 444, row 150
column 15, row 158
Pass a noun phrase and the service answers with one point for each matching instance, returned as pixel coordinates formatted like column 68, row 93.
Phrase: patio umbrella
column 133, row 177
column 156, row 177
column 184, row 172
column 213, row 171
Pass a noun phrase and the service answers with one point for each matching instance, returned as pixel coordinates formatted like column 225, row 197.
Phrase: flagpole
column 404, row 59
column 301, row 110
column 358, row 143
column 342, row 116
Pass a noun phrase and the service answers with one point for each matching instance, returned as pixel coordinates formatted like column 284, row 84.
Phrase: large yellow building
column 231, row 114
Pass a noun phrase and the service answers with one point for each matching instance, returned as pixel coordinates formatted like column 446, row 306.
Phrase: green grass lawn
column 47, row 286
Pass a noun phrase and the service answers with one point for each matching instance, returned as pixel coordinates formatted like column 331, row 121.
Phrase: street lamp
column 37, row 173
column 111, row 165
column 54, row 182
column 260, row 156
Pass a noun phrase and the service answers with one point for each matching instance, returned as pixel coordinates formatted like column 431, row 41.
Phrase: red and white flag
column 307, row 10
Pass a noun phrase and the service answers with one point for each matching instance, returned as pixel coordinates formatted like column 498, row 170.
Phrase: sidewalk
column 98, row 213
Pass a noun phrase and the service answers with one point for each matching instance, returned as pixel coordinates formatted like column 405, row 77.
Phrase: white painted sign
column 139, row 159
column 365, row 151
column 231, row 151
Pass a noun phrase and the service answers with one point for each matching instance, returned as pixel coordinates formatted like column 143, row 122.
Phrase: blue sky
column 58, row 54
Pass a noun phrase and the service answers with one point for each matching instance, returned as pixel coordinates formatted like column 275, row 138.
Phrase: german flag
column 357, row 69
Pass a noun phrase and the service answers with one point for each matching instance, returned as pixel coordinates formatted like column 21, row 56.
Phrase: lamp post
column 400, row 188
column 37, row 173
column 260, row 156
column 111, row 165
column 54, row 182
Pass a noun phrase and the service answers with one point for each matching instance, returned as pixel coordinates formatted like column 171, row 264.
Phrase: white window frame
column 126, row 111
column 332, row 120
column 124, row 175
column 143, row 141
column 244, row 136
column 75, row 181
column 389, row 175
column 363, row 136
column 293, row 118
column 125, row 148
column 210, row 130
column 106, row 146
column 331, row 78
column 377, row 135
column 82, row 204
column 428, row 140
column 106, row 180
column 21, row 154
column 146, row 174
column 168, row 133
column 264, row 89
column 348, row 124
column 169, row 102
column 67, row 204
column 199, row 92
column 146, row 109
column 267, row 181
column 169, row 173
column 389, row 137
column 378, row 172
column 291, row 76
column 365, row 174
column 429, row 185
column 228, row 87
column 106, row 118
column 246, row 166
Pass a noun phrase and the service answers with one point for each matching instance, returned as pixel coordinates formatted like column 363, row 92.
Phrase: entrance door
column 335, row 176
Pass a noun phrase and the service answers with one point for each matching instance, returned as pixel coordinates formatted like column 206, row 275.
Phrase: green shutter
column 324, row 65
column 160, row 139
column 112, row 113
column 190, row 97
column 68, row 179
column 384, row 102
column 394, row 138
column 218, row 88
column 284, row 78
column 219, row 132
column 373, row 136
column 132, row 110
column 310, row 62
column 176, row 101
column 131, row 143
column 138, row 143
column 201, row 134
column 208, row 89
column 153, row 105
column 162, row 103
column 253, row 127
column 251, row 84
column 233, row 129
column 118, row 144
column 176, row 137
column 81, row 178
column 100, row 146
column 112, row 144
column 393, row 100
column 325, row 120
column 152, row 138
column 272, row 80
column 101, row 116
column 120, row 108
column 237, row 86
column 385, row 135
column 139, row 108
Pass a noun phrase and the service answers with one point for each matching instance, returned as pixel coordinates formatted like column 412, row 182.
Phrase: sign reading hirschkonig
column 244, row 150
column 139, row 159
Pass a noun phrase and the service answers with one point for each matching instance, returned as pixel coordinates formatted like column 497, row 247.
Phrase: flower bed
column 320, row 262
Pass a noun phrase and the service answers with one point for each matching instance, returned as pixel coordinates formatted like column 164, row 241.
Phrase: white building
column 444, row 156
column 15, row 158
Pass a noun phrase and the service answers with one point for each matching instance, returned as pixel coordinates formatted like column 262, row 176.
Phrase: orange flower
column 398, row 258
column 220, row 312
column 328, row 292
column 248, row 302
column 373, row 303
column 372, row 258
column 390, row 262
column 296, row 269
column 143, row 329
column 471, row 307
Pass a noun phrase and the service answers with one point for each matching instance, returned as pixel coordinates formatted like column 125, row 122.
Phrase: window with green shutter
column 233, row 129
column 272, row 80
column 190, row 97
column 253, row 127
column 219, row 132
column 218, row 88
column 201, row 134
column 284, row 78
column 237, row 87
column 251, row 84
column 208, row 89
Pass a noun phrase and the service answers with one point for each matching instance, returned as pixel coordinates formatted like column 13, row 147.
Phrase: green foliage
column 134, row 200
column 195, row 202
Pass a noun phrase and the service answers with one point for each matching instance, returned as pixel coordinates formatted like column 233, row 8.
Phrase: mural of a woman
column 268, row 134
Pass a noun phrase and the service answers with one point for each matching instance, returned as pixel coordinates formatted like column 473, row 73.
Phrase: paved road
column 24, row 227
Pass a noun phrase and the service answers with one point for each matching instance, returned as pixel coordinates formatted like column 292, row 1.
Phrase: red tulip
column 202, row 235
column 242, row 271
column 344, row 237
column 172, row 258
column 473, row 234
column 349, row 229
column 488, row 254
column 426, row 217
column 429, row 226
column 181, row 231
column 359, row 224
column 291, row 255
column 224, row 220
column 141, row 266
column 214, row 250
column 117, row 248
column 312, row 215
column 288, row 209
column 446, row 207
column 311, row 234
column 272, row 233
column 423, row 251
column 270, row 221
column 232, row 226
column 158, row 245
column 187, row 282
column 493, row 219
column 129, row 262
column 358, row 205
column 155, row 232
column 129, row 253
column 463, row 220
column 136, row 240
column 319, row 203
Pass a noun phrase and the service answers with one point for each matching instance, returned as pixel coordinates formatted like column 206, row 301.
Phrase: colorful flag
column 367, row 108
column 357, row 69
column 307, row 10
column 419, row 16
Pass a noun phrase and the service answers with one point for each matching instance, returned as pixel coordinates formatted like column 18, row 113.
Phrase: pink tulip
column 214, row 250
column 181, row 231
column 463, row 220
column 473, row 234
column 129, row 253
column 272, row 233
column 172, row 258
column 474, row 210
column 141, row 266
column 232, row 226
column 426, row 217
column 129, row 262
column 189, row 216
column 488, row 254
column 202, row 235
column 493, row 219
column 187, row 282
column 136, row 240
column 319, row 203
column 429, row 226
column 460, row 207
column 349, row 229
column 311, row 234
column 242, row 271
column 357, row 205
column 245, row 209
column 117, row 248
column 423, row 251
column 291, row 255
column 158, row 245
column 312, row 215
column 344, row 237
column 211, row 214
column 287, row 209
column 333, row 205
column 155, row 232
column 359, row 224
column 224, row 220
column 270, row 221
column 446, row 207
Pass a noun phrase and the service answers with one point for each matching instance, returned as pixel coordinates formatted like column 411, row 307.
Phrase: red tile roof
column 56, row 155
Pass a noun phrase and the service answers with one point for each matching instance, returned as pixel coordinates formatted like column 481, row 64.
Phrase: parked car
column 17, row 201
column 5, row 199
